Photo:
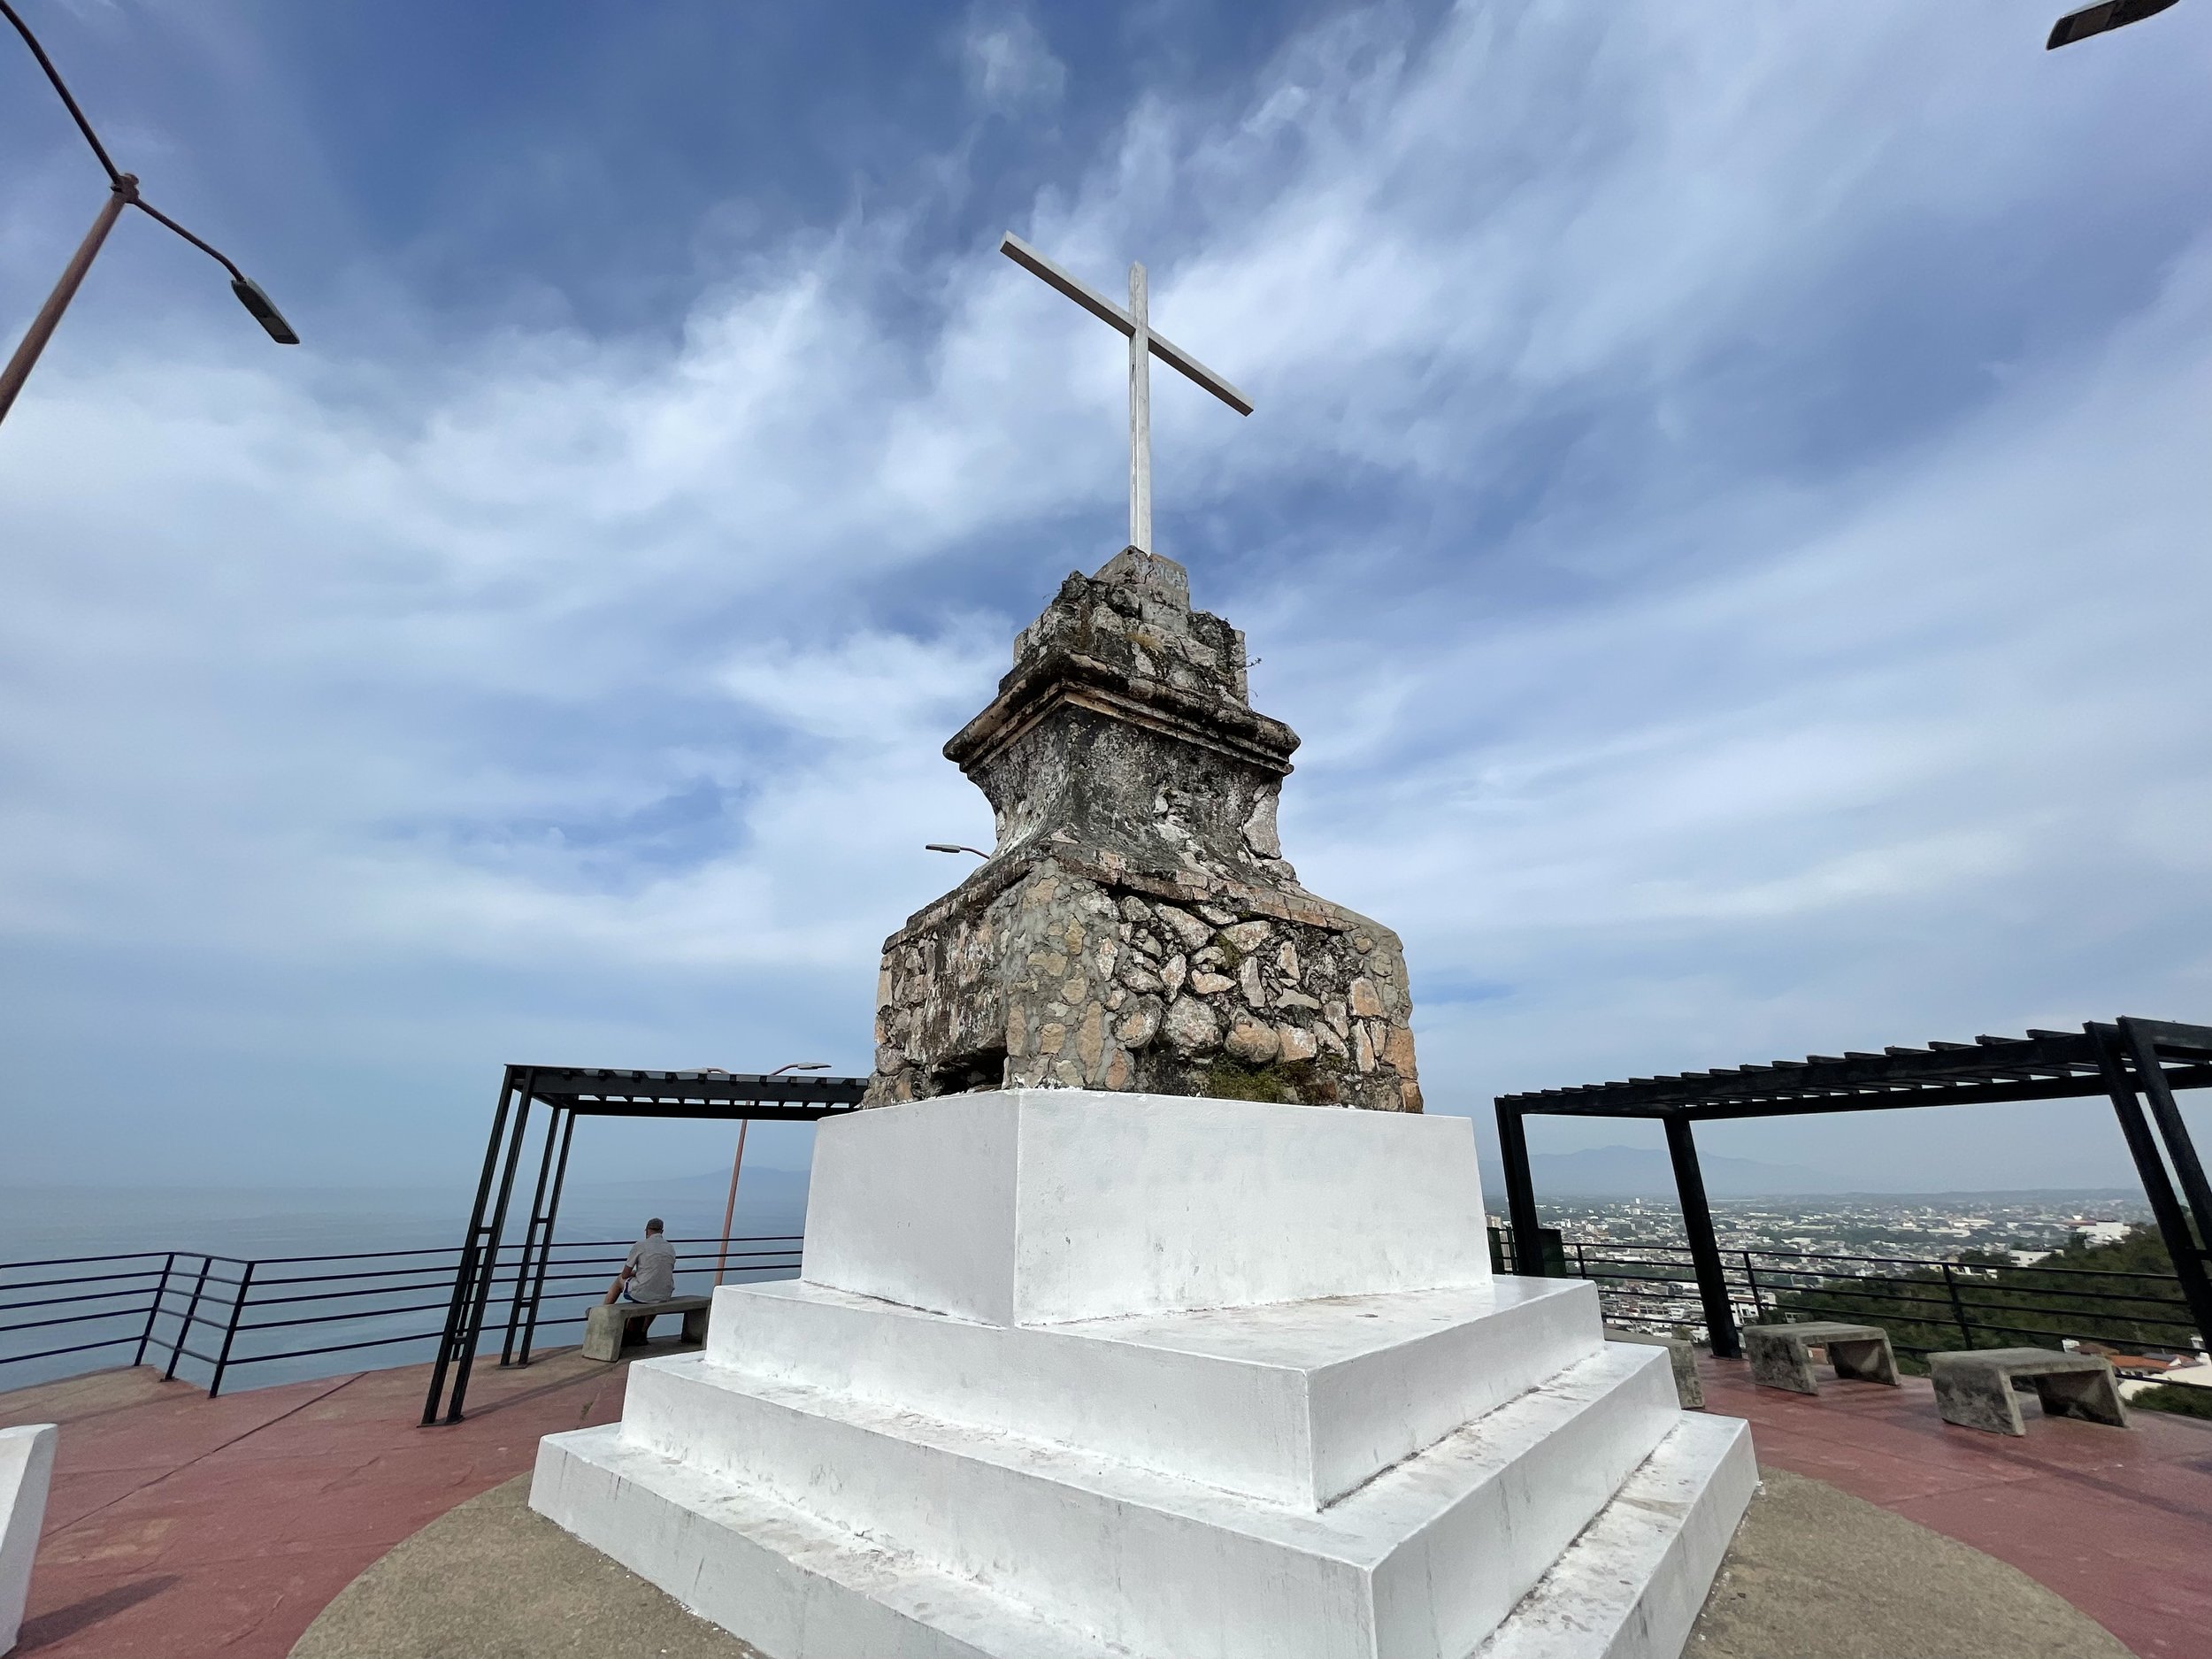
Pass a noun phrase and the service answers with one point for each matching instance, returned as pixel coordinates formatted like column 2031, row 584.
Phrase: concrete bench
column 607, row 1326
column 1977, row 1389
column 1779, row 1356
column 1688, row 1387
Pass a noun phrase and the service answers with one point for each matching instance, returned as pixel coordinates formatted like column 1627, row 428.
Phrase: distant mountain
column 1646, row 1172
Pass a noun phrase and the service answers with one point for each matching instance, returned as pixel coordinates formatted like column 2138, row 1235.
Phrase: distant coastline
column 46, row 1221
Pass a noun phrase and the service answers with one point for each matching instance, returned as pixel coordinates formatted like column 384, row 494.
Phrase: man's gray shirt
column 655, row 1260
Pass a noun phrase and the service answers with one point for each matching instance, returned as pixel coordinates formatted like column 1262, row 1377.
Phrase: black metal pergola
column 569, row 1093
column 2149, row 1057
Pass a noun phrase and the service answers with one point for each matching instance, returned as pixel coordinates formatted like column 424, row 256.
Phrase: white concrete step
column 1031, row 1206
column 1291, row 1403
column 1420, row 1562
column 795, row 1587
column 1632, row 1585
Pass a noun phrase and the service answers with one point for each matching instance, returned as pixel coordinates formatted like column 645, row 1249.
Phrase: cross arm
column 1088, row 297
column 1176, row 358
column 1098, row 306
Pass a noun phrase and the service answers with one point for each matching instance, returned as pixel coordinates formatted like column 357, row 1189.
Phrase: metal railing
column 286, row 1317
column 1928, row 1305
column 215, row 1315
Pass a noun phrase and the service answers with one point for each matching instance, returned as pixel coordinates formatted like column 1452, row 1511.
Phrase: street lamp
column 737, row 1165
column 954, row 847
column 122, row 193
column 2100, row 19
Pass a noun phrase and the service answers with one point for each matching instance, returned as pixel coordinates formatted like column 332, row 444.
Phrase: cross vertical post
column 1140, row 414
column 1144, row 345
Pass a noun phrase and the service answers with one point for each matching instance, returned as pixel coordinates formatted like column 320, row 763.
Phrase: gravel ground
column 1814, row 1573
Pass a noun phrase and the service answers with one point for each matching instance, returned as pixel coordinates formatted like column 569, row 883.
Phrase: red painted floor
column 185, row 1528
column 2117, row 1521
column 180, row 1527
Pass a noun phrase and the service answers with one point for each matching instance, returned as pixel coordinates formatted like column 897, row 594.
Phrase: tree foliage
column 2186, row 1403
column 2123, row 1294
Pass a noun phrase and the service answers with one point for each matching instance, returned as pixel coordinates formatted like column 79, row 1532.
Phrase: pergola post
column 1520, row 1192
column 545, row 1239
column 530, row 1240
column 488, row 1254
column 2173, row 1223
column 1697, row 1220
column 465, row 1274
column 568, row 1093
column 2142, row 1037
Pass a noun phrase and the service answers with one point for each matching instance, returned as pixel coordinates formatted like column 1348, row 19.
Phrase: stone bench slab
column 1976, row 1389
column 1779, row 1356
column 1688, row 1387
column 607, row 1326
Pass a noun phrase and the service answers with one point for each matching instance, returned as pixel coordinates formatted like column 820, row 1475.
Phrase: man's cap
column 654, row 1226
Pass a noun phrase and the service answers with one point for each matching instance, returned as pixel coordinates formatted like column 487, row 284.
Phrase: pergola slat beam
column 2159, row 1056
column 1950, row 1076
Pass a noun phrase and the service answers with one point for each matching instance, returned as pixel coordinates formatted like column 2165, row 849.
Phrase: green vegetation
column 2187, row 1402
column 1232, row 1079
column 2007, row 1306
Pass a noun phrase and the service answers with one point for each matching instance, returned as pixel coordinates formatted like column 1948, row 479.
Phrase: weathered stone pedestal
column 1137, row 926
column 1081, row 1373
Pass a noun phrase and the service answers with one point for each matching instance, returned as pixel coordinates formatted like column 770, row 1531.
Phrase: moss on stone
column 1232, row 1079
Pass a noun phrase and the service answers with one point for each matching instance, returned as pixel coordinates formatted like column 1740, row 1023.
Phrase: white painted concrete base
column 984, row 1463
column 1632, row 1585
column 27, row 1467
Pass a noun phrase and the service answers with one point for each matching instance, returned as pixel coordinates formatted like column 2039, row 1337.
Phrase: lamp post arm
column 115, row 175
column 248, row 291
column 208, row 249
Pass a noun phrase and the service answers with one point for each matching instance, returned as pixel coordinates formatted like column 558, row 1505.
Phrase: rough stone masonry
column 1137, row 926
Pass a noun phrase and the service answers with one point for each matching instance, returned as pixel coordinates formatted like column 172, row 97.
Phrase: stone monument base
column 1085, row 1373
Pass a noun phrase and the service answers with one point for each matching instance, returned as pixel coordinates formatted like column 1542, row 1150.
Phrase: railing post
column 153, row 1309
column 1751, row 1279
column 191, row 1312
column 230, row 1334
column 1958, row 1307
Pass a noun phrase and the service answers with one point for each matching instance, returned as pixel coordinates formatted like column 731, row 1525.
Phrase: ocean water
column 303, row 1302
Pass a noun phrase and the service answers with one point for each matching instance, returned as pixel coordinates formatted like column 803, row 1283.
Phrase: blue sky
column 1726, row 510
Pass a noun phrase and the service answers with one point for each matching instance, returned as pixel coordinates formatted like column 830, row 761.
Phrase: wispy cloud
column 1008, row 66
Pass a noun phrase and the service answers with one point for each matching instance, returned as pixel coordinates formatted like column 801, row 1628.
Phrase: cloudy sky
column 1726, row 509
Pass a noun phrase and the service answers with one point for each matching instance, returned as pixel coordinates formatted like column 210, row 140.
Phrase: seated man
column 649, row 1273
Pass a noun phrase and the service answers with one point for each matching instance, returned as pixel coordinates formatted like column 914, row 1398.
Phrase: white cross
column 1143, row 346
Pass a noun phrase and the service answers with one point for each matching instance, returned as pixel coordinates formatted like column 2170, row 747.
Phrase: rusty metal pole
column 729, row 1211
column 48, row 318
